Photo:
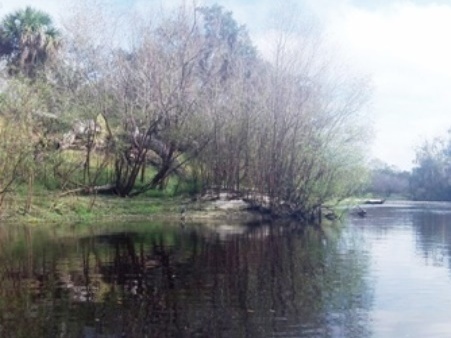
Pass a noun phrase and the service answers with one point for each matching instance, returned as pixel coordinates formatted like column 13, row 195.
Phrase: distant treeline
column 429, row 180
column 431, row 177
column 122, row 106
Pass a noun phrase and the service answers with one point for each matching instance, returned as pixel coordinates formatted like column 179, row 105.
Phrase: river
column 385, row 275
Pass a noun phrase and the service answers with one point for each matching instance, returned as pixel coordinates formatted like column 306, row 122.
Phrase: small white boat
column 374, row 201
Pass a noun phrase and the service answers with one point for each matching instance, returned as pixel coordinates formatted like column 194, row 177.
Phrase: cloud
column 404, row 46
column 401, row 44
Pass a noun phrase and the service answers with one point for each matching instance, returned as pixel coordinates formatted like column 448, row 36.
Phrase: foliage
column 17, row 146
column 431, row 178
column 27, row 40
column 386, row 181
column 189, row 101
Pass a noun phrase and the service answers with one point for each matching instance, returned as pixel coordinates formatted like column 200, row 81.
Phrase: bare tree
column 189, row 95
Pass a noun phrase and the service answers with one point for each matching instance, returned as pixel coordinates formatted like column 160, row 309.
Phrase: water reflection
column 409, row 246
column 434, row 235
column 165, row 281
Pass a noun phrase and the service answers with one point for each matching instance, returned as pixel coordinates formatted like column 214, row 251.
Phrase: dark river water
column 386, row 275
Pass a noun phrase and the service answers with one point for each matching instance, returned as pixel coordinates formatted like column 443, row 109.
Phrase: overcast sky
column 403, row 45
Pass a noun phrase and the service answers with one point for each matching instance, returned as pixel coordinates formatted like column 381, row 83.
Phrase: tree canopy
column 431, row 177
column 27, row 40
column 191, row 100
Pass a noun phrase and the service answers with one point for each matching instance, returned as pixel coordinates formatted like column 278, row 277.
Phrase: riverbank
column 56, row 208
column 75, row 208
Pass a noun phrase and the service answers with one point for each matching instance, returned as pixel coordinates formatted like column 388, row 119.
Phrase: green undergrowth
column 50, row 204
column 54, row 208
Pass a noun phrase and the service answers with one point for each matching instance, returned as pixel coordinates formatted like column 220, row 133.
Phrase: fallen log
column 107, row 188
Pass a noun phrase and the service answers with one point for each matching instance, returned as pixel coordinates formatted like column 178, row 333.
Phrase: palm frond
column 28, row 38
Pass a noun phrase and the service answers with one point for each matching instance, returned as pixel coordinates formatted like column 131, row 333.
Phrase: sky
column 402, row 45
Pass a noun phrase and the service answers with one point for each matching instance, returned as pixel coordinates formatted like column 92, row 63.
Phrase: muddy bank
column 222, row 209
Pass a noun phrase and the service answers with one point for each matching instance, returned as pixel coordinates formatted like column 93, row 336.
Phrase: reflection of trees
column 433, row 236
column 430, row 222
column 270, row 280
column 29, row 283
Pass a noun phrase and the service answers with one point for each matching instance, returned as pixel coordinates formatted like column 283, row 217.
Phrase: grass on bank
column 51, row 205
column 52, row 208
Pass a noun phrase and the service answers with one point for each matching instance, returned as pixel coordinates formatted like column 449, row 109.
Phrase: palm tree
column 27, row 40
